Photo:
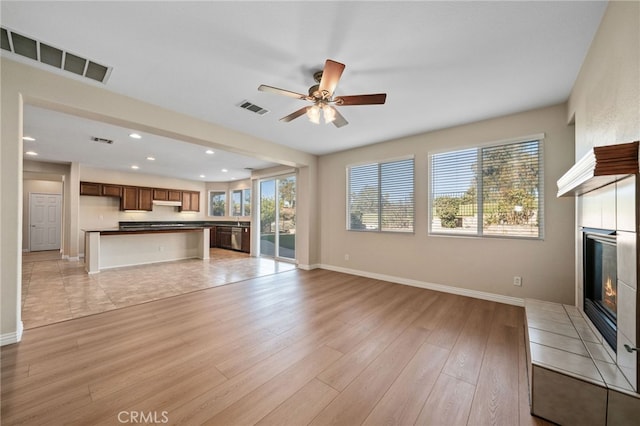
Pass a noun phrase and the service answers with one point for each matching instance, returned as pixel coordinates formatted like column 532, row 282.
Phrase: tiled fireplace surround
column 575, row 377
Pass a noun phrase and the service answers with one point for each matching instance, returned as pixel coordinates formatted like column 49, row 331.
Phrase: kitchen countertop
column 160, row 227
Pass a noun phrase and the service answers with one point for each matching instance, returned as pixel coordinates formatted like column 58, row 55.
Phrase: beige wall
column 476, row 264
column 24, row 84
column 605, row 101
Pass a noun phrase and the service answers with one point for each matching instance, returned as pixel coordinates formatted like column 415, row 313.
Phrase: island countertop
column 163, row 227
column 144, row 243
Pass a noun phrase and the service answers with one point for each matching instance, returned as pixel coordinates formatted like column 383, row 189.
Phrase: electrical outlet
column 346, row 257
column 517, row 281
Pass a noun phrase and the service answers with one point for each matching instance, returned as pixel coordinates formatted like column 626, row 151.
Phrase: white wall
column 478, row 264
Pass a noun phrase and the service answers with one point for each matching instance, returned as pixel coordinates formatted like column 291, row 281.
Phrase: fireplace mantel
column 599, row 167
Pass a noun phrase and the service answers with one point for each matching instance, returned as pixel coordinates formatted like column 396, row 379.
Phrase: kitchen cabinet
column 223, row 237
column 90, row 188
column 100, row 189
column 246, row 240
column 167, row 194
column 136, row 198
column 212, row 237
column 190, row 201
column 109, row 190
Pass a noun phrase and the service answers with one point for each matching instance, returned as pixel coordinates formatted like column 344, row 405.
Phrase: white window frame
column 243, row 203
column 209, row 207
column 480, row 230
column 348, row 196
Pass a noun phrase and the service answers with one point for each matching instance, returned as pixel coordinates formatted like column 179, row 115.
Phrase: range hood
column 599, row 167
column 167, row 203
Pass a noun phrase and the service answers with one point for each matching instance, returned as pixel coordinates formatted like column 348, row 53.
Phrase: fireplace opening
column 601, row 282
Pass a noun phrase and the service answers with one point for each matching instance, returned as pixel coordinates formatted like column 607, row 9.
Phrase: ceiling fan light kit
column 321, row 95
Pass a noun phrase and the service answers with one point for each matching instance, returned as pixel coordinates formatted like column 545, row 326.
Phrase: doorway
column 45, row 221
column 278, row 218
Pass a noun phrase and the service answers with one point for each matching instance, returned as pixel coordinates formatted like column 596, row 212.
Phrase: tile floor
column 55, row 290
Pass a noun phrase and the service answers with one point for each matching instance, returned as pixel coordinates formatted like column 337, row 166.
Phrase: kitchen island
column 143, row 243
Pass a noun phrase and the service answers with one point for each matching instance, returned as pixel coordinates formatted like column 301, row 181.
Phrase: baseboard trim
column 13, row 337
column 308, row 267
column 509, row 300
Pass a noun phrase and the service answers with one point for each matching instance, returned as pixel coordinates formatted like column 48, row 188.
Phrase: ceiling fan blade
column 330, row 76
column 374, row 99
column 294, row 115
column 265, row 88
column 339, row 120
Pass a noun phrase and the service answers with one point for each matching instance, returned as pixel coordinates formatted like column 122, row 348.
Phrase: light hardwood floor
column 295, row 348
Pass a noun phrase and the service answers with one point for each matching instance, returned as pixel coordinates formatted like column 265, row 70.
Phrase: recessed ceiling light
column 202, row 176
column 135, row 136
column 32, row 153
column 151, row 158
column 233, row 178
column 209, row 152
column 134, row 167
column 28, row 138
column 224, row 170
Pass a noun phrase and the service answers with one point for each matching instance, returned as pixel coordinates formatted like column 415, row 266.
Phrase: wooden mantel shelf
column 599, row 167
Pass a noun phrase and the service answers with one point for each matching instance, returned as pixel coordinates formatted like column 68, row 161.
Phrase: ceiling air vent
column 253, row 107
column 53, row 56
column 102, row 140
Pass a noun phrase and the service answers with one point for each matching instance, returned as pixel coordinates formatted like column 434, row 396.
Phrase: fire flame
column 608, row 289
column 609, row 295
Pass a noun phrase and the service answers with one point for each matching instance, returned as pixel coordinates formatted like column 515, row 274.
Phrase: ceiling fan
column 321, row 95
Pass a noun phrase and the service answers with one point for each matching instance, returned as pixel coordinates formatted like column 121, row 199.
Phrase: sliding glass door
column 278, row 217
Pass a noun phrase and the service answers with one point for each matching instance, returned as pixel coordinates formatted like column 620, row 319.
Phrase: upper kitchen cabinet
column 100, row 189
column 190, row 201
column 136, row 198
column 109, row 190
column 167, row 194
column 90, row 188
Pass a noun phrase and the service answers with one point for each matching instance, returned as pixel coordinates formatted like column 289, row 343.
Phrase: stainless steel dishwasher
column 236, row 238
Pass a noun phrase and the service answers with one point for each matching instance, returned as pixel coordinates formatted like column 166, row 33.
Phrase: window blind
column 488, row 191
column 381, row 196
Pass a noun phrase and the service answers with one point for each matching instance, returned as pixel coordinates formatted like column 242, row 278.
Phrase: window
column 381, row 196
column 217, row 203
column 236, row 203
column 241, row 202
column 246, row 202
column 488, row 191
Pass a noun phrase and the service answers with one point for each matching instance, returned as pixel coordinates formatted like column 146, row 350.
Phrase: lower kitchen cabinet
column 212, row 237
column 223, row 237
column 246, row 240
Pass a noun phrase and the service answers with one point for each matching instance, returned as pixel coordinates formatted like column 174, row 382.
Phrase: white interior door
column 45, row 221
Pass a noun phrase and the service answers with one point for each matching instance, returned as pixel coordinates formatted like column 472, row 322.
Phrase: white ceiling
column 441, row 64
